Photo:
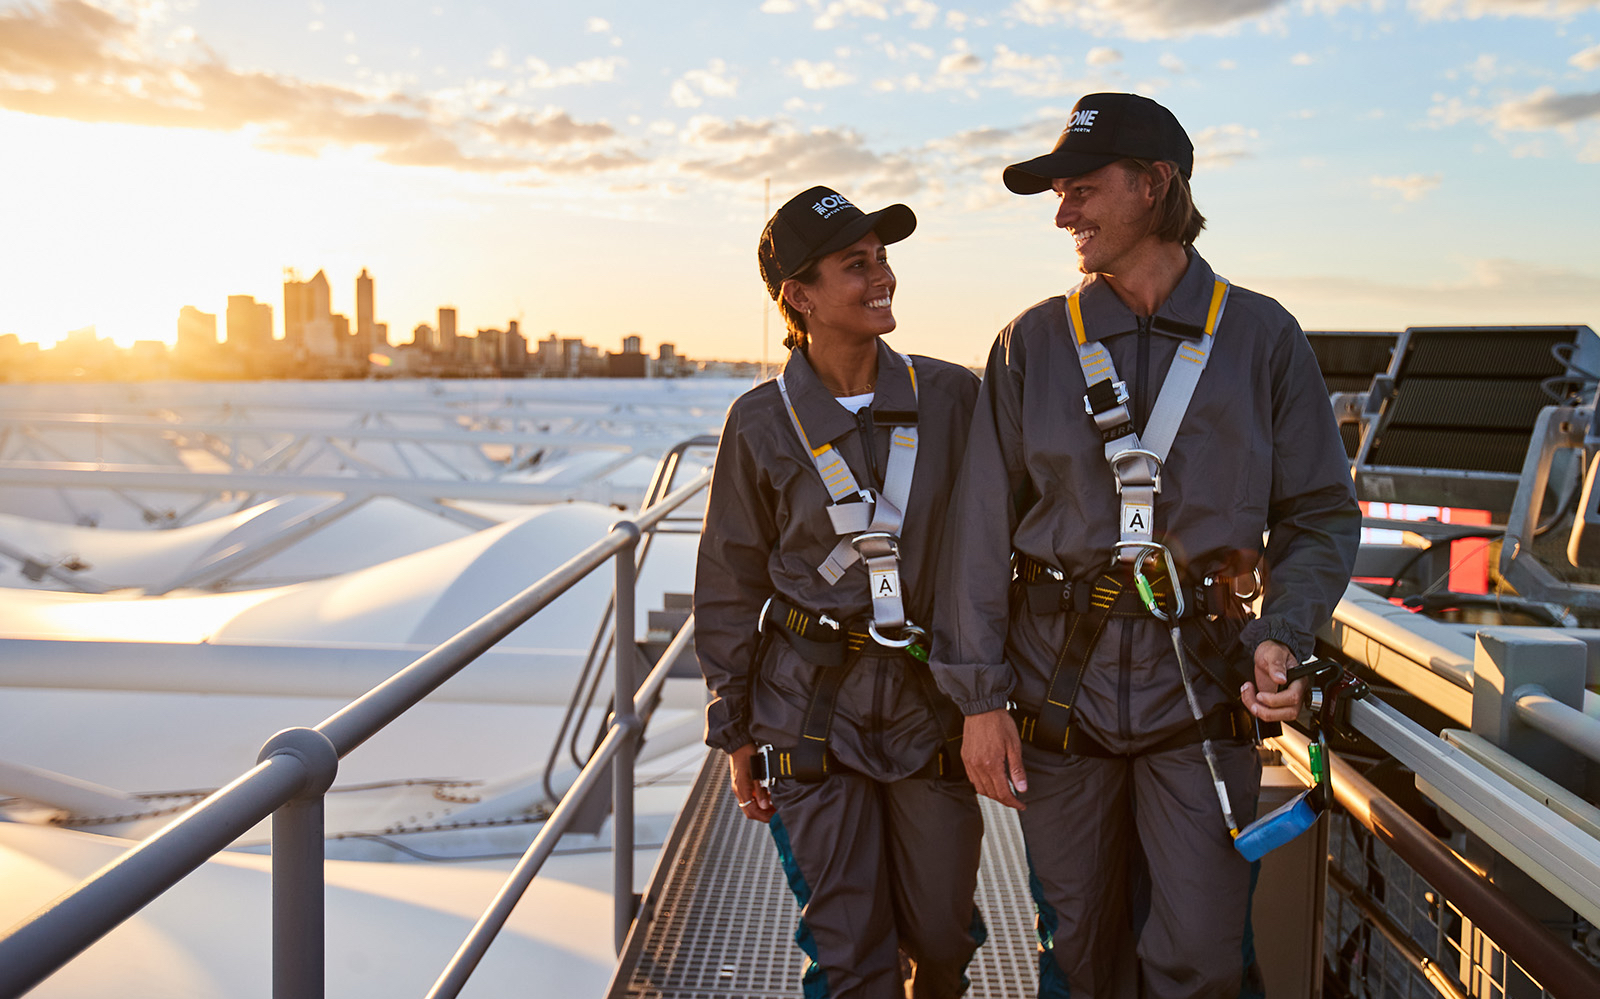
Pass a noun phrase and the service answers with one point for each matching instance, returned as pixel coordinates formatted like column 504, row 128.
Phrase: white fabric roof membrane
column 378, row 530
column 420, row 598
column 391, row 927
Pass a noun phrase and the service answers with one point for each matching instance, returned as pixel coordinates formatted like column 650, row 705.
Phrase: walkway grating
column 718, row 920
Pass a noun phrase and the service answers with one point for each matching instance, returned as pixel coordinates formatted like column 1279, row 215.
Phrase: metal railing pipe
column 455, row 975
column 364, row 717
column 1563, row 723
column 658, row 676
column 489, row 925
column 652, row 516
column 299, row 941
column 625, row 655
column 1373, row 912
column 57, row 933
column 1562, row 971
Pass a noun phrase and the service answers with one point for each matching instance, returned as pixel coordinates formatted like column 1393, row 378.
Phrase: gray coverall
column 878, row 863
column 1257, row 451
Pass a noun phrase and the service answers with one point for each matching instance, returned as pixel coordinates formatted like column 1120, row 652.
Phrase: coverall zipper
column 1141, row 407
column 1125, row 683
column 869, row 444
column 1142, row 377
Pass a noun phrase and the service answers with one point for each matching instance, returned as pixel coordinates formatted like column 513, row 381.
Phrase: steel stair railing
column 298, row 765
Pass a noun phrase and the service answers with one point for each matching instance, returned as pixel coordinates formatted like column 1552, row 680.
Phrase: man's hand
column 753, row 799
column 1267, row 698
column 991, row 751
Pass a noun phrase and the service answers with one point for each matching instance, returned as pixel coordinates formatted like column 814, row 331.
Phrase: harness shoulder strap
column 869, row 529
column 1136, row 459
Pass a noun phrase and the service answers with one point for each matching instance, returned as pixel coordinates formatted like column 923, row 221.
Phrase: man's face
column 1109, row 214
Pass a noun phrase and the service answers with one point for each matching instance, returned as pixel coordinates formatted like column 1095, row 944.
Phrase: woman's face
column 853, row 293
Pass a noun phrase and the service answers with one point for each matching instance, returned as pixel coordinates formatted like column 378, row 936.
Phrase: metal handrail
column 1561, row 722
column 298, row 765
column 584, row 689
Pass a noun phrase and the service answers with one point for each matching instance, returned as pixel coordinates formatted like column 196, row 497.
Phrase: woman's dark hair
column 1177, row 219
column 792, row 317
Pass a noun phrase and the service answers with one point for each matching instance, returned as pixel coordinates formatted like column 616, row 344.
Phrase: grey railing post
column 298, row 938
column 626, row 653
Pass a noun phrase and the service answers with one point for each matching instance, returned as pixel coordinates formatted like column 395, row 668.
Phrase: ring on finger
column 742, row 804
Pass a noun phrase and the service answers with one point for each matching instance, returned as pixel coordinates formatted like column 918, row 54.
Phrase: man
column 1100, row 466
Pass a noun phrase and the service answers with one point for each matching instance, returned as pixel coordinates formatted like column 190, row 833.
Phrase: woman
column 815, row 579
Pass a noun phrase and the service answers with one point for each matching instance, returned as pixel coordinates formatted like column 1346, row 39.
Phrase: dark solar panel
column 1349, row 360
column 1465, row 401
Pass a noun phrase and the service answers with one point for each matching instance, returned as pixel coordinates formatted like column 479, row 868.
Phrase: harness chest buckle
column 1121, row 394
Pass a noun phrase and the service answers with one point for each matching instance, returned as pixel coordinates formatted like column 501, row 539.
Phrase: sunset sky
column 598, row 169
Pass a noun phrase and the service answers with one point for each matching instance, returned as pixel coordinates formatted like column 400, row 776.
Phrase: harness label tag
column 885, row 584
column 1136, row 518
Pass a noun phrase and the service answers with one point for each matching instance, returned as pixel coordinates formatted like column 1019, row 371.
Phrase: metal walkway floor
column 718, row 920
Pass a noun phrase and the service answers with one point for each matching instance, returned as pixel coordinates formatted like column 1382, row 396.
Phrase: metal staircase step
column 718, row 920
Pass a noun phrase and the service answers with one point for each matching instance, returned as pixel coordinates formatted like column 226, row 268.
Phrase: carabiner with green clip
column 1147, row 593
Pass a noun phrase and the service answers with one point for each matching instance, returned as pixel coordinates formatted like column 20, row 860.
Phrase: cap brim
column 1034, row 176
column 892, row 224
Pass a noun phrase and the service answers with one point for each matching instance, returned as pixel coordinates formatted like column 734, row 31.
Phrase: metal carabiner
column 1146, row 592
column 911, row 631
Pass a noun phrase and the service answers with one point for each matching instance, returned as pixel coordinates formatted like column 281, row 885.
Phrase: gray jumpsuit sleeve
column 731, row 585
column 991, row 492
column 1313, row 520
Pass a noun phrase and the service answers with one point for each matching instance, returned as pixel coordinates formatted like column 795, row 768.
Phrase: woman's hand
column 753, row 799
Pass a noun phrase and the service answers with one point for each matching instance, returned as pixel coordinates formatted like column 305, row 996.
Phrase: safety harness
column 1136, row 462
column 869, row 529
column 869, row 524
column 1136, row 459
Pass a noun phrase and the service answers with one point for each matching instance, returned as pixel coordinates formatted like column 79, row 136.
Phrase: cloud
column 779, row 7
column 1411, row 188
column 593, row 163
column 1102, row 56
column 1547, row 109
column 835, row 13
column 1223, row 145
column 713, row 81
column 923, row 14
column 757, row 149
column 1172, row 63
column 819, row 75
column 553, row 128
column 597, row 25
column 707, row 130
column 538, row 73
column 1301, row 59
column 1489, row 292
column 1144, row 18
column 960, row 64
column 1472, row 9
column 71, row 59
column 1589, row 58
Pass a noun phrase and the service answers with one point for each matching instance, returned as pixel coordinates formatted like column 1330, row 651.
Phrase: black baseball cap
column 818, row 222
column 1105, row 128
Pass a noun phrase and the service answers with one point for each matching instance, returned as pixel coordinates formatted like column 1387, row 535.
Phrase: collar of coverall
column 1182, row 315
column 821, row 415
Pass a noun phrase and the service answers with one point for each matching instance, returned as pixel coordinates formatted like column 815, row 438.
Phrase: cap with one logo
column 1105, row 128
column 818, row 222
